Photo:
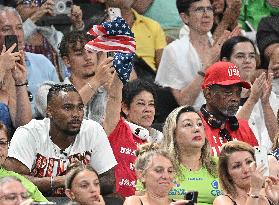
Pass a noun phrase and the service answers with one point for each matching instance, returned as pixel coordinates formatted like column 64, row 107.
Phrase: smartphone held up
column 11, row 40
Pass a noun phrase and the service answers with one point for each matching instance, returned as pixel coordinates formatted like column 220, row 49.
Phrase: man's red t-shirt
column 124, row 144
column 243, row 133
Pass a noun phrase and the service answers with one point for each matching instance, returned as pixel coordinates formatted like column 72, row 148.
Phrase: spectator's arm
column 42, row 183
column 23, row 106
column 256, row 91
column 113, row 109
column 269, row 116
column 101, row 77
column 188, row 94
column 160, row 43
column 142, row 5
column 229, row 20
column 158, row 56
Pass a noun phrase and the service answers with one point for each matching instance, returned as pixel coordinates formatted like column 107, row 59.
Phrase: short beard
column 230, row 111
column 71, row 133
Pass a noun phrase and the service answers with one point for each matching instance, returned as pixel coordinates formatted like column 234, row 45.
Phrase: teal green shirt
column 31, row 188
column 165, row 12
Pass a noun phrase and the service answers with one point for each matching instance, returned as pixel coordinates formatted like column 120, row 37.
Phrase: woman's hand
column 100, row 202
column 267, row 87
column 257, row 179
column 272, row 189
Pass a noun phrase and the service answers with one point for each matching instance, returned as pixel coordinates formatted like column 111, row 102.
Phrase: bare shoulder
column 132, row 200
column 222, row 200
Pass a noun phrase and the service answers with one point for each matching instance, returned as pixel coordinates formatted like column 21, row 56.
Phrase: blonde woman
column 241, row 180
column 156, row 170
column 185, row 140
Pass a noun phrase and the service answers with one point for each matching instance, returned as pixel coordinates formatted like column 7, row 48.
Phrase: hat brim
column 244, row 84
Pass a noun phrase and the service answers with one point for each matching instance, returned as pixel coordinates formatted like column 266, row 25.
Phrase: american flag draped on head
column 117, row 37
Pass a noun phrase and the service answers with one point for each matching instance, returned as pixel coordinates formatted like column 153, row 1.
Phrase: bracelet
column 254, row 196
column 201, row 73
column 22, row 84
column 51, row 182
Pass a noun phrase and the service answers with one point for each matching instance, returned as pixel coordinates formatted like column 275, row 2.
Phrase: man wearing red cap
column 222, row 88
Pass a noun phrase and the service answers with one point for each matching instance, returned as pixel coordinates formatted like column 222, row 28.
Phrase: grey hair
column 7, row 9
column 4, row 180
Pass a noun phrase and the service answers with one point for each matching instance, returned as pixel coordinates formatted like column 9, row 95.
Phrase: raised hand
column 272, row 189
column 46, row 9
column 267, row 87
column 100, row 202
column 76, row 17
column 105, row 71
column 19, row 72
column 257, row 87
column 257, row 179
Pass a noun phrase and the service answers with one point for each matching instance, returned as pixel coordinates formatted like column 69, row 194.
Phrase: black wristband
column 22, row 84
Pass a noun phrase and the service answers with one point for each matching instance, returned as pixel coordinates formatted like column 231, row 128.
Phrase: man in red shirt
column 222, row 88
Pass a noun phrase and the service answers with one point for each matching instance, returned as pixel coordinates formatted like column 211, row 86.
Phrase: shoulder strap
column 231, row 199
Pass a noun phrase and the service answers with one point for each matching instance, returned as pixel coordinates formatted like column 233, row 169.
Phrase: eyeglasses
column 224, row 134
column 12, row 197
column 201, row 10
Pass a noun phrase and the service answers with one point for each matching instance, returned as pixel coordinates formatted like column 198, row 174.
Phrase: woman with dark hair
column 185, row 140
column 138, row 109
column 241, row 181
column 259, row 104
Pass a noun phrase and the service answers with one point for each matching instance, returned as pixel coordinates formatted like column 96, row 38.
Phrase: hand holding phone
column 262, row 158
column 113, row 13
column 11, row 40
column 192, row 197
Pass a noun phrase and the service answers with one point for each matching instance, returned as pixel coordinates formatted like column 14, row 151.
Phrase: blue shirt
column 39, row 70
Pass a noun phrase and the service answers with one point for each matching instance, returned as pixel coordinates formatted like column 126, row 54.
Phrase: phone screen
column 10, row 40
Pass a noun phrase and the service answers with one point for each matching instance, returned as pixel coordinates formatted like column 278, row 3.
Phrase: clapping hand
column 272, row 189
column 76, row 17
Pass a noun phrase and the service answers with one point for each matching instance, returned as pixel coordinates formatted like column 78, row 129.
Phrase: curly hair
column 170, row 144
column 71, row 40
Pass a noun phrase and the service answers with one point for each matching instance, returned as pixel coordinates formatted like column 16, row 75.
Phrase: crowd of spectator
column 201, row 100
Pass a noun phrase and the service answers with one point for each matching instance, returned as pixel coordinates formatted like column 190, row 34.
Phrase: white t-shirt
column 32, row 145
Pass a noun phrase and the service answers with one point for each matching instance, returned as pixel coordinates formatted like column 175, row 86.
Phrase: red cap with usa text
column 223, row 73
